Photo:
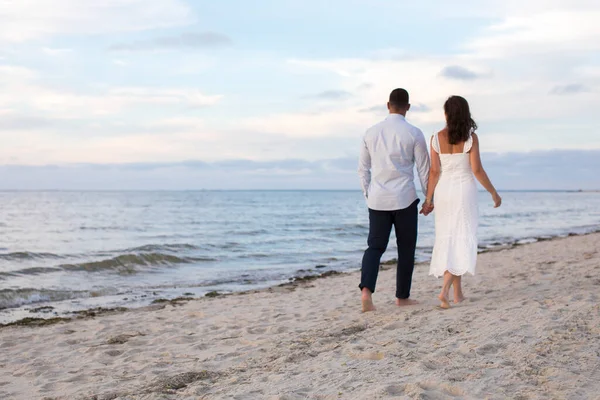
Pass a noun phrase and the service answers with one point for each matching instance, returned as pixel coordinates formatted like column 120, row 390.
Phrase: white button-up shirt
column 388, row 156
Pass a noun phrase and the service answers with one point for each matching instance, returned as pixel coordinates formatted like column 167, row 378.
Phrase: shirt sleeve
column 422, row 161
column 364, row 167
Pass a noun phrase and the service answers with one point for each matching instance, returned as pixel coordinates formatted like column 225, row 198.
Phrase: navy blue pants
column 380, row 227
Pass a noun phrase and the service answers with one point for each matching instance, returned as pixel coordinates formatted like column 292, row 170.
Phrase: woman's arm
column 434, row 176
column 480, row 173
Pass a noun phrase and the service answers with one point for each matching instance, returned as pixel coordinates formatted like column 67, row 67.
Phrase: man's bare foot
column 406, row 302
column 458, row 298
column 445, row 304
column 367, row 305
column 367, row 300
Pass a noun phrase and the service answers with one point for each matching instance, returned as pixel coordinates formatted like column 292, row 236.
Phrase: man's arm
column 364, row 168
column 422, row 161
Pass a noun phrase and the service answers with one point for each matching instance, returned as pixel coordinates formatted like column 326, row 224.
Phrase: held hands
column 427, row 208
column 497, row 199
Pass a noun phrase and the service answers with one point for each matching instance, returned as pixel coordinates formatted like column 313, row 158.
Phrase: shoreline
column 295, row 281
column 514, row 337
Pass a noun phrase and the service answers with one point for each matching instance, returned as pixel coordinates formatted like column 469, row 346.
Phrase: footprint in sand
column 430, row 365
column 278, row 329
column 394, row 390
column 489, row 348
column 393, row 327
column 434, row 390
column 256, row 330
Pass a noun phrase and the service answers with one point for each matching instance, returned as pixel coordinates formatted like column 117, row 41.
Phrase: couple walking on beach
column 389, row 153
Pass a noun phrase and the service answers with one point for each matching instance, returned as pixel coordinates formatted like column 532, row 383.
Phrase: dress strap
column 468, row 144
column 435, row 143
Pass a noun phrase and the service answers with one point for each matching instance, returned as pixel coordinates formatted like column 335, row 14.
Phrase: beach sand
column 530, row 329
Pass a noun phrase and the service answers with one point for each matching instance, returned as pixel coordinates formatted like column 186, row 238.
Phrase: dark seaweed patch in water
column 175, row 301
column 43, row 310
column 94, row 312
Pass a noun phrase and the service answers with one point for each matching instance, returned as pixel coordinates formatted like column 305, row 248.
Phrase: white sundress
column 456, row 214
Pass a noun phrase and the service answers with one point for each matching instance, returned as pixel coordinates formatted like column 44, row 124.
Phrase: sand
column 529, row 329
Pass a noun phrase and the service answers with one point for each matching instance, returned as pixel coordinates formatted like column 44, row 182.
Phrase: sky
column 181, row 94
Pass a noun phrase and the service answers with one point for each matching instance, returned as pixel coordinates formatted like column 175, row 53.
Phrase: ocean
column 62, row 252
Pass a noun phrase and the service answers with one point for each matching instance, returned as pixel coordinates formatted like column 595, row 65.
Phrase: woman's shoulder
column 440, row 134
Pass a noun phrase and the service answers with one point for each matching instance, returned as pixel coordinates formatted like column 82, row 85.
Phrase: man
column 389, row 153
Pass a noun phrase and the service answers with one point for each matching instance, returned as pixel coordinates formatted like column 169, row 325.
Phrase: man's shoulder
column 373, row 130
column 394, row 125
column 377, row 126
column 415, row 130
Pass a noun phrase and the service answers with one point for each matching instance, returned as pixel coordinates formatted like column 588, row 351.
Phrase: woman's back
column 454, row 159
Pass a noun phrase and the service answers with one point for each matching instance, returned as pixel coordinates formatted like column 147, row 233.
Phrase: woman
column 454, row 161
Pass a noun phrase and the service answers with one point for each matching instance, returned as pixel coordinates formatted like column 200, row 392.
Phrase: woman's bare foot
column 444, row 299
column 458, row 298
column 405, row 302
column 458, row 294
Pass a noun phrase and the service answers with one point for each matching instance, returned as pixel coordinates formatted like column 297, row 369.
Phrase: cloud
column 379, row 110
column 55, row 52
column 458, row 72
column 419, row 108
column 331, row 123
column 16, row 122
column 542, row 30
column 204, row 40
column 23, row 88
column 572, row 88
column 144, row 95
column 331, row 95
column 24, row 20
column 543, row 172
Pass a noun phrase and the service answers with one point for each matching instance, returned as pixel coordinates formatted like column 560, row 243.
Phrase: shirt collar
column 395, row 116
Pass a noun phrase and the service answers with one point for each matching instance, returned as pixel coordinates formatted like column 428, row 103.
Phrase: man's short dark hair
column 399, row 98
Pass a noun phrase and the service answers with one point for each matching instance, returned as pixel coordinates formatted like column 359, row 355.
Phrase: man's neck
column 403, row 113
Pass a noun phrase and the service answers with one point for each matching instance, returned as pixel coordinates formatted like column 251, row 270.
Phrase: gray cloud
column 379, row 110
column 191, row 40
column 331, row 95
column 458, row 72
column 536, row 170
column 419, row 107
column 572, row 88
column 25, row 122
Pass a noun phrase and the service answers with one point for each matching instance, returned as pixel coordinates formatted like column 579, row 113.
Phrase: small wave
column 224, row 246
column 29, row 271
column 343, row 228
column 28, row 255
column 107, row 228
column 10, row 298
column 254, row 232
column 162, row 247
column 128, row 263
